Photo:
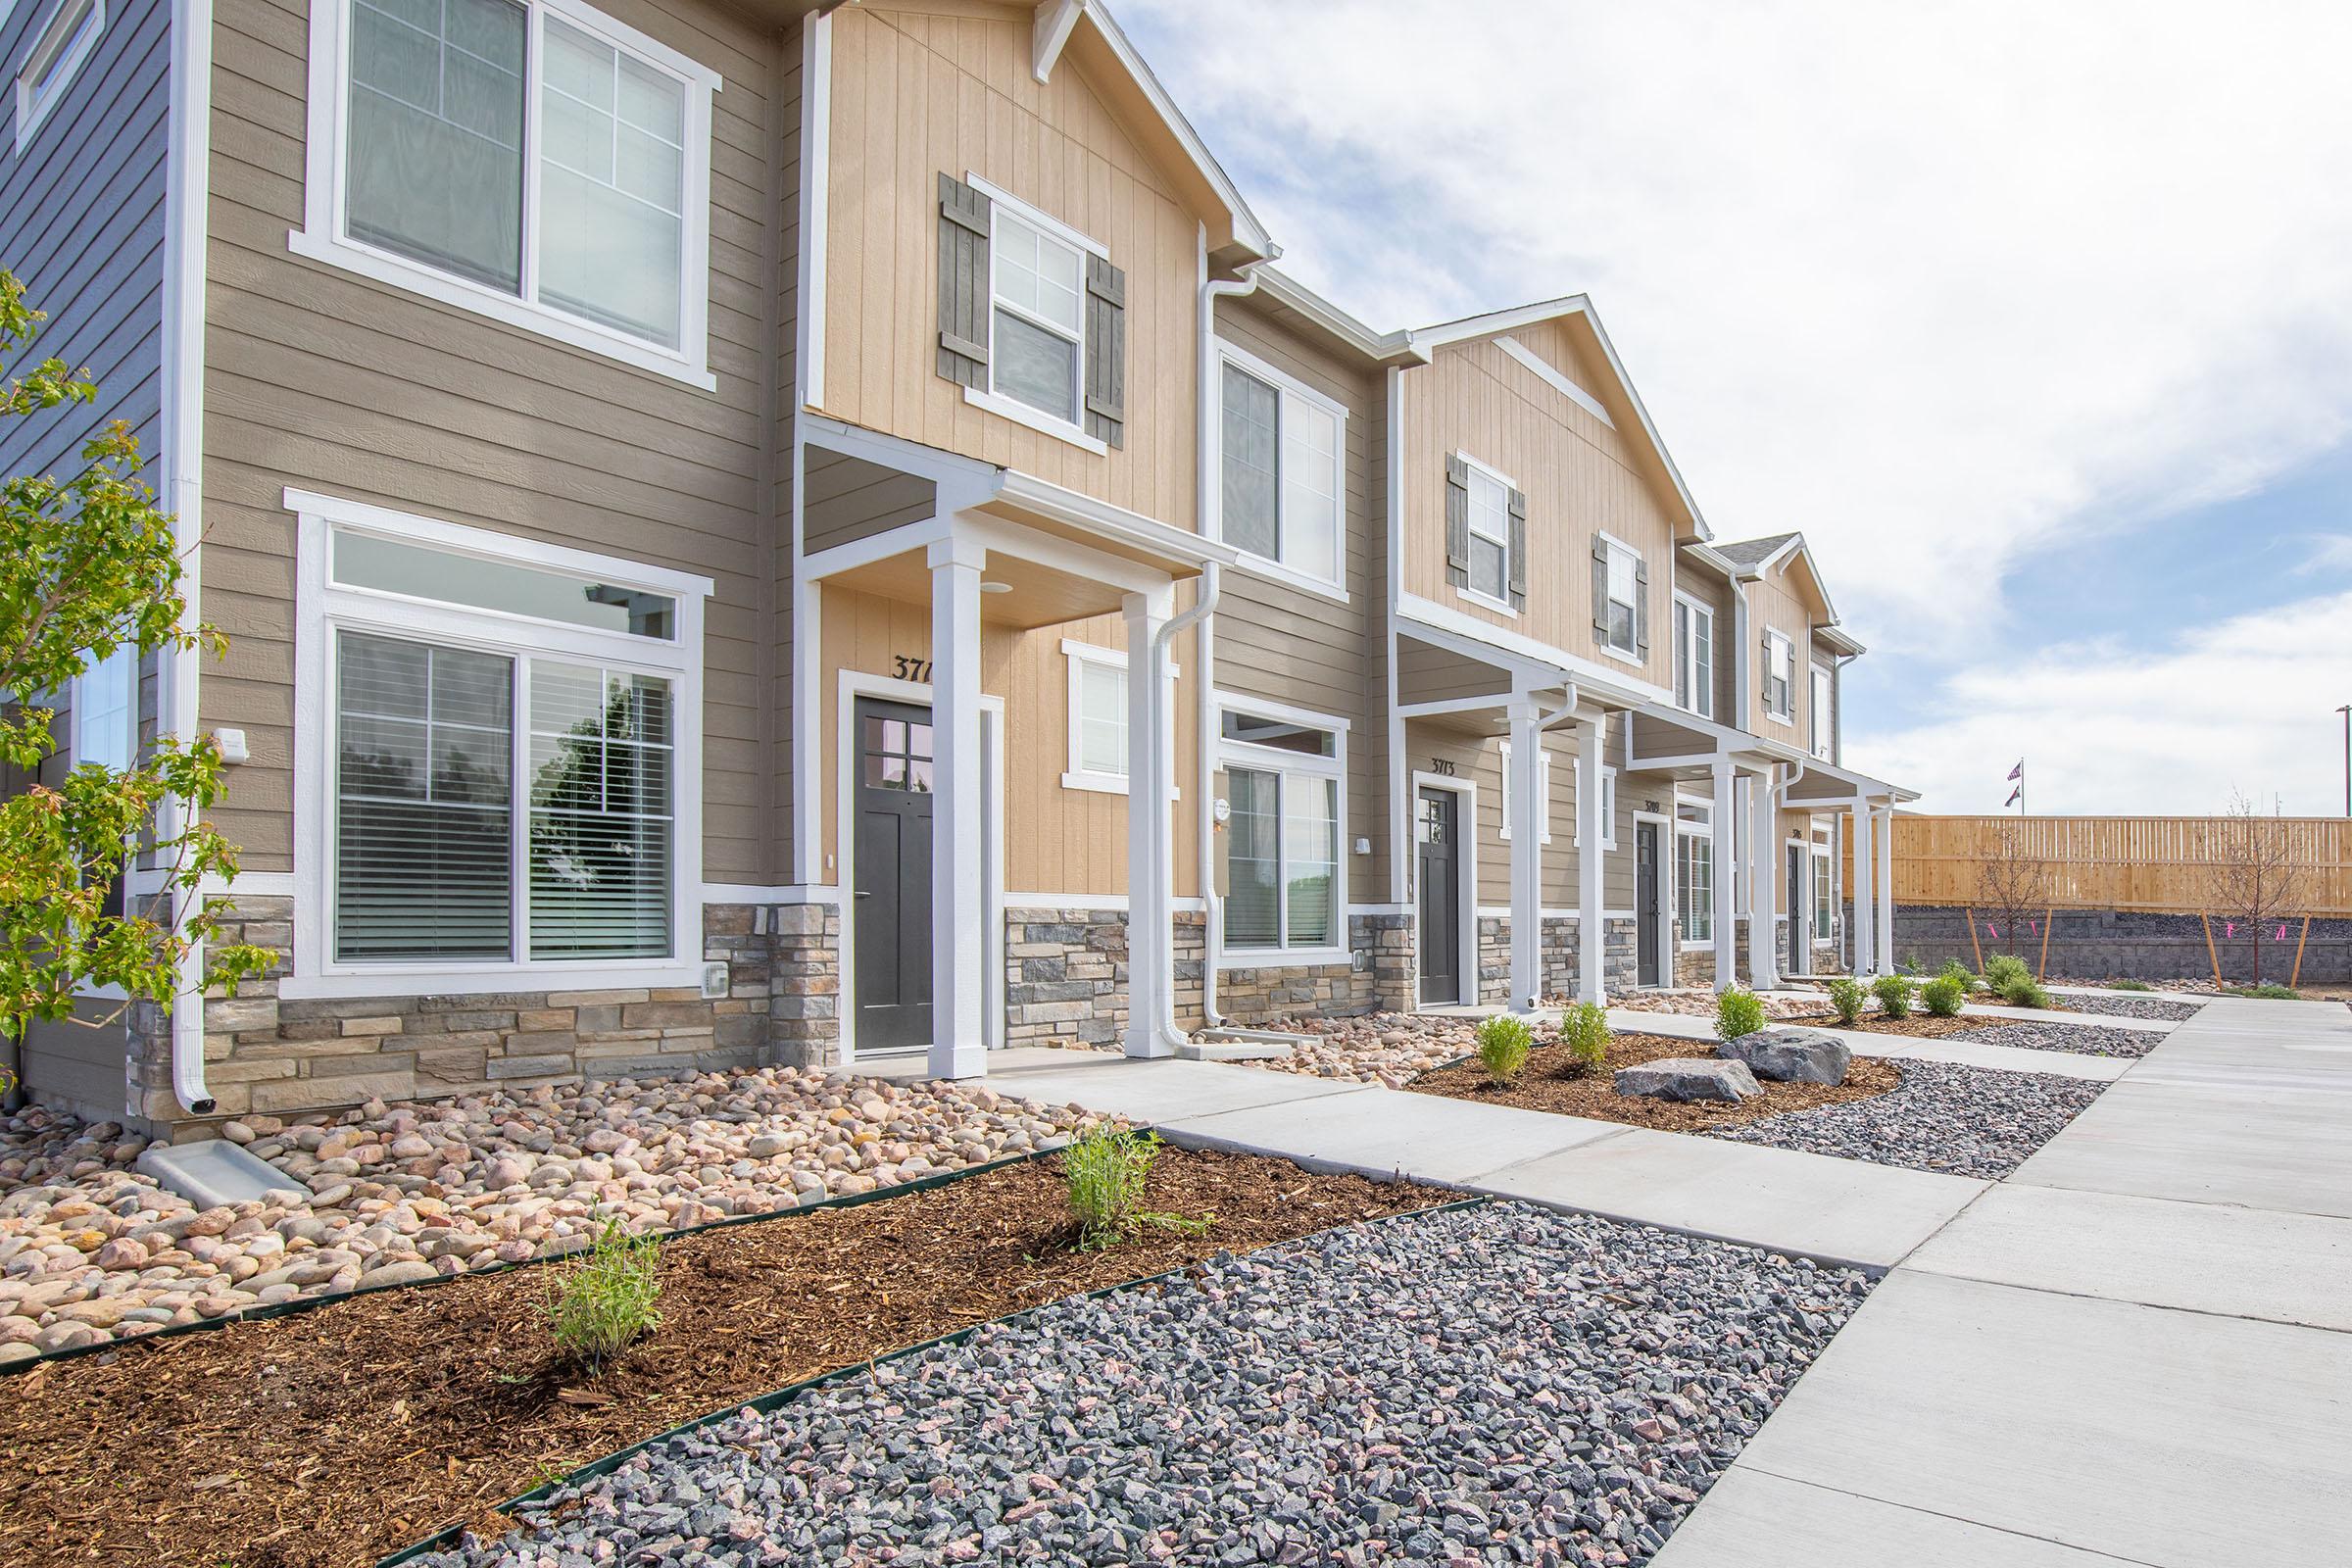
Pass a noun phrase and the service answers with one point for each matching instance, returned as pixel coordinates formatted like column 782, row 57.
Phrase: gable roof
column 1752, row 556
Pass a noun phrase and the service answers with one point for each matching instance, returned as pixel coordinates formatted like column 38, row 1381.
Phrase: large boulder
column 1689, row 1078
column 1791, row 1056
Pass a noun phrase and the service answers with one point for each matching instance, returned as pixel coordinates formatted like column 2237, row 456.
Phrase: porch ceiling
column 1032, row 595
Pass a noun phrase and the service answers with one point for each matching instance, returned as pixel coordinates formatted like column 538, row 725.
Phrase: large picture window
column 1285, row 882
column 1694, row 657
column 1282, row 475
column 531, row 158
column 510, row 740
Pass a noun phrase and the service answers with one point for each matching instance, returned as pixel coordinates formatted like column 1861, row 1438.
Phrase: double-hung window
column 1543, row 794
column 1609, row 805
column 1489, row 536
column 1281, row 478
column 1286, row 886
column 1694, row 870
column 1824, row 892
column 60, row 43
column 1039, row 307
column 1098, row 755
column 506, row 754
column 1780, row 677
column 1694, row 657
column 532, row 159
column 1624, row 599
column 1820, row 714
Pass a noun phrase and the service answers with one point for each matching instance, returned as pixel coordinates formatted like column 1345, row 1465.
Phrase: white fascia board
column 1118, row 524
column 1383, row 347
column 1452, row 629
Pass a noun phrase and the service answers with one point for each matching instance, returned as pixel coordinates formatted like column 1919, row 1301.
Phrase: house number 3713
column 915, row 669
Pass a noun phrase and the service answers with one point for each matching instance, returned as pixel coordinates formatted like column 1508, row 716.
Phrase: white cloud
column 1931, row 281
column 2244, row 706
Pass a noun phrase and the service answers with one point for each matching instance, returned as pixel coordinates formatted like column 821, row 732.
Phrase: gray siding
column 782, row 420
column 848, row 499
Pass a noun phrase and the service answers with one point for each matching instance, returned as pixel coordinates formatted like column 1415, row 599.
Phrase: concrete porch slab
column 1383, row 1131
column 2165, row 1437
column 2200, row 1257
column 1157, row 1093
column 2257, row 1147
column 1814, row 1205
column 1753, row 1520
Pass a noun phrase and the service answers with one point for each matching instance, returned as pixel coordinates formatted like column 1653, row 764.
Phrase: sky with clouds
column 2036, row 318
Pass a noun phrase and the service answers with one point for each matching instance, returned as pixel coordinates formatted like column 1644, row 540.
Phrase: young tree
column 2013, row 881
column 2255, row 878
column 88, row 566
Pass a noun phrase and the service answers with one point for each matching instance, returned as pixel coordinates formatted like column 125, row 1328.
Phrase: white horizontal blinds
column 1102, row 719
column 1310, row 488
column 434, row 163
column 1695, row 890
column 1310, row 850
column 611, row 185
column 1250, row 485
column 601, row 831
column 1040, row 304
column 1282, row 859
column 423, row 801
column 1253, row 859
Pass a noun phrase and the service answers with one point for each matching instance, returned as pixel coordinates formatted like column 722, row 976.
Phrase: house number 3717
column 912, row 668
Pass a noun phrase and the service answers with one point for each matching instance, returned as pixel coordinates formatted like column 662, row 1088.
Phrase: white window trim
column 321, row 609
column 1704, row 828
column 1609, row 805
column 1542, row 793
column 321, row 237
column 1285, row 387
column 1629, row 656
column 1825, row 876
column 1820, row 683
column 1787, row 647
column 1276, row 760
column 1000, row 404
column 1702, row 693
column 1484, row 600
column 1076, row 776
column 59, row 52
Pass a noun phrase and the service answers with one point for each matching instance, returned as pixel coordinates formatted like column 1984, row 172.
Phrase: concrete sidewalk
column 1835, row 1211
column 2138, row 1349
column 1898, row 1048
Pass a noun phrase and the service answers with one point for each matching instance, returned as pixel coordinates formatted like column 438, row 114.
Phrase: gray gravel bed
column 2081, row 1039
column 1496, row 1384
column 2120, row 1004
column 1965, row 1121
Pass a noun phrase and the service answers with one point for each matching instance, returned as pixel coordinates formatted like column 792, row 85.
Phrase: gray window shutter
column 1107, row 352
column 1458, row 522
column 1518, row 551
column 963, row 283
column 1641, row 606
column 1601, row 588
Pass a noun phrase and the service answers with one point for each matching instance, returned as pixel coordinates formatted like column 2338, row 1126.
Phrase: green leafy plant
column 1944, row 995
column 605, row 1300
column 1107, row 1169
column 1894, row 993
column 1503, row 1044
column 2129, row 985
column 1738, row 1012
column 1585, row 1036
column 2268, row 993
column 2002, row 969
column 90, row 568
column 2023, row 991
column 1958, row 973
column 1847, row 999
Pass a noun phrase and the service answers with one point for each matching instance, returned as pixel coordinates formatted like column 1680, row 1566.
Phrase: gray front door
column 892, row 932
column 1800, row 911
column 1649, row 908
column 1439, row 871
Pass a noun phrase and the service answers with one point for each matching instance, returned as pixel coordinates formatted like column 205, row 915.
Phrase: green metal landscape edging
column 278, row 1309
column 778, row 1397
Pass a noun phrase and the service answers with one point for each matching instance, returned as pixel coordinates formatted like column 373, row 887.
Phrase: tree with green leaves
column 89, row 567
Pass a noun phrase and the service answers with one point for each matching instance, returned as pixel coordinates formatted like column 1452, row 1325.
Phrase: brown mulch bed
column 1918, row 1025
column 334, row 1436
column 1542, row 1087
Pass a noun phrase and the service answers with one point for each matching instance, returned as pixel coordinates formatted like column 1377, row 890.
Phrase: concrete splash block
column 212, row 1172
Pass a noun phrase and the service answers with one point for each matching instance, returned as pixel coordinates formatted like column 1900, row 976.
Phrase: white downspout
column 1163, row 846
column 186, row 211
column 1206, row 403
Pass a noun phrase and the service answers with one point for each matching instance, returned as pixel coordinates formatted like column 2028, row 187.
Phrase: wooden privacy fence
column 2162, row 865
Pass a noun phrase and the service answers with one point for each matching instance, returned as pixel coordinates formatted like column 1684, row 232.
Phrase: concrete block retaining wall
column 2126, row 945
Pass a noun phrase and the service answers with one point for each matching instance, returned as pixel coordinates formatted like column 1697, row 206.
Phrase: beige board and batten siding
column 319, row 378
column 1581, row 476
column 942, row 87
column 1290, row 645
column 1480, row 762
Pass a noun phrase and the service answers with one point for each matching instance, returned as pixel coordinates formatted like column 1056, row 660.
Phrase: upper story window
column 1820, row 716
column 1780, row 677
column 61, row 44
column 1282, row 475
column 1286, row 885
column 1694, row 657
column 1620, row 608
column 1486, row 535
column 1032, row 317
column 535, row 162
column 105, row 714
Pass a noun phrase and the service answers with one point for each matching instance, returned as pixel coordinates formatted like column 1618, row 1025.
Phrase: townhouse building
column 820, row 533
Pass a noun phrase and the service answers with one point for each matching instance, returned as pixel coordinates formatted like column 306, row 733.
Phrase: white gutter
column 1213, row 928
column 187, row 194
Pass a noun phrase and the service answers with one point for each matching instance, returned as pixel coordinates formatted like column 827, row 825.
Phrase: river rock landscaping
column 1389, row 1048
column 1963, row 1121
column 1493, row 1385
column 92, row 1249
column 330, row 1437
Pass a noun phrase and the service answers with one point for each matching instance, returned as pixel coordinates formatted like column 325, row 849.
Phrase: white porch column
column 1149, row 772
column 1725, row 813
column 1591, row 832
column 1763, row 883
column 1527, row 857
column 1865, row 927
column 1884, row 861
column 958, row 849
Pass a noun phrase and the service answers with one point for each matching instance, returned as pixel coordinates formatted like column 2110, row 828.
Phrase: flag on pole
column 2012, row 799
column 2018, row 772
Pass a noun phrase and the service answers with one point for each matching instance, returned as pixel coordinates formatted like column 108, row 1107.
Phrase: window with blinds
column 600, row 831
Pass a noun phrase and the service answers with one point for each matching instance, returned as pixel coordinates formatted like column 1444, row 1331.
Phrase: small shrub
column 2002, row 968
column 1894, row 993
column 2023, row 991
column 1958, row 974
column 2129, row 985
column 2268, row 993
column 1738, row 1012
column 1503, row 1043
column 1847, row 997
column 1584, row 1035
column 605, row 1300
column 1944, row 995
column 1107, row 1169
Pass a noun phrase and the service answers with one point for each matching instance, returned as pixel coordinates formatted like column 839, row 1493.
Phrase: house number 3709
column 915, row 669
